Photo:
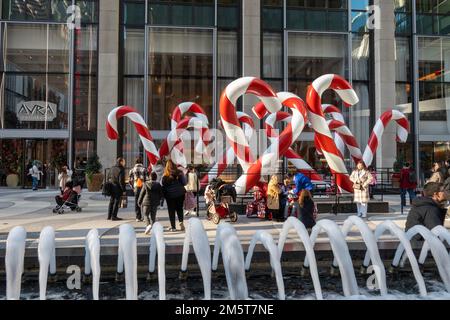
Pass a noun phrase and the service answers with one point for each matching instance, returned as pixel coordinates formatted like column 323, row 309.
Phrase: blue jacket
column 302, row 182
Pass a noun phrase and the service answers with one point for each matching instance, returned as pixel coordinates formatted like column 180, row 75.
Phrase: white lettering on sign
column 36, row 111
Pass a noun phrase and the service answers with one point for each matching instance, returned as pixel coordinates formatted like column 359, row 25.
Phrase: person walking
column 35, row 174
column 273, row 199
column 191, row 191
column 361, row 179
column 408, row 184
column 63, row 177
column 437, row 175
column 116, row 177
column 428, row 210
column 173, row 183
column 285, row 188
column 302, row 182
column 138, row 175
column 307, row 209
column 149, row 200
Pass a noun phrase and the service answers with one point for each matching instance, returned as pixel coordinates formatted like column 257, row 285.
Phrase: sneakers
column 148, row 229
column 116, row 219
column 172, row 230
column 359, row 215
column 182, row 228
column 139, row 220
column 187, row 213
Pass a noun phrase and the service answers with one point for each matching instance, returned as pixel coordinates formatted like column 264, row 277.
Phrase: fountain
column 15, row 253
column 396, row 231
column 442, row 233
column 47, row 258
column 92, row 260
column 268, row 243
column 233, row 260
column 157, row 244
column 340, row 251
column 293, row 223
column 438, row 251
column 127, row 258
column 195, row 234
column 372, row 249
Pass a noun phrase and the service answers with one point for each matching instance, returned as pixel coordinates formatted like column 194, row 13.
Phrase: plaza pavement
column 33, row 211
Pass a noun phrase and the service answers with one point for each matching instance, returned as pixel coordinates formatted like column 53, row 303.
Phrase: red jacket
column 404, row 180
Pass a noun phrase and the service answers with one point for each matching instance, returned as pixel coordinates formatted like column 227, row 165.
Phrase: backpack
column 412, row 177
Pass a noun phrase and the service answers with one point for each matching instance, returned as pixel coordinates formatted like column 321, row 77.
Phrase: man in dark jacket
column 428, row 211
column 149, row 200
column 117, row 178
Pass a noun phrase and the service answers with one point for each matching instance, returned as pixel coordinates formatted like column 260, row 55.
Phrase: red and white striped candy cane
column 377, row 133
column 320, row 126
column 290, row 155
column 228, row 115
column 139, row 124
column 226, row 159
column 265, row 164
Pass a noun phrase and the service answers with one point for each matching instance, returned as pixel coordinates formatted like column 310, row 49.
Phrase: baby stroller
column 219, row 195
column 69, row 199
column 257, row 208
column 292, row 206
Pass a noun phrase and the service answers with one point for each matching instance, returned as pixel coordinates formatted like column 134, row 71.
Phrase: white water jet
column 127, row 258
column 157, row 244
column 196, row 234
column 47, row 258
column 267, row 241
column 400, row 234
column 340, row 251
column 233, row 260
column 15, row 253
column 299, row 227
column 442, row 233
column 372, row 249
column 92, row 260
column 438, row 251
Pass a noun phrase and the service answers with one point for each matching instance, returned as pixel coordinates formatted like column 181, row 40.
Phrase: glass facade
column 174, row 52
column 319, row 37
column 48, row 80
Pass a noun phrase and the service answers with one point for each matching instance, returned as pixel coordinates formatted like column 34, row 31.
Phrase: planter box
column 12, row 180
column 95, row 185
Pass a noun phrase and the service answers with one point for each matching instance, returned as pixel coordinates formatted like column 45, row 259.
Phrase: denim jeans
column 35, row 182
column 412, row 195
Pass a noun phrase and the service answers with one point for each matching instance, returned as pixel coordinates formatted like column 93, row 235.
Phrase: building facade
column 58, row 83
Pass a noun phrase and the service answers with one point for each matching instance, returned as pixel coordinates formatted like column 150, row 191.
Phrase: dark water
column 260, row 286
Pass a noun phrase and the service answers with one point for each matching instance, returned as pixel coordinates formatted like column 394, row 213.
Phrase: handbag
column 124, row 202
column 358, row 186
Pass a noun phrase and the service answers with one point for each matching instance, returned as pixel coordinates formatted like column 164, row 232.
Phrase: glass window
column 85, row 54
column 182, row 13
column 181, row 70
column 317, row 15
column 272, row 55
column 359, row 21
column 360, row 57
column 359, row 4
column 227, row 54
column 37, row 48
column 85, row 103
column 134, row 51
column 228, row 14
column 88, row 10
column 35, row 101
column 360, row 114
column 402, row 59
column 32, row 10
column 272, row 15
column 134, row 13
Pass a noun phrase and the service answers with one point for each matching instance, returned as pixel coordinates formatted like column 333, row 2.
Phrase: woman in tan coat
column 361, row 178
column 273, row 199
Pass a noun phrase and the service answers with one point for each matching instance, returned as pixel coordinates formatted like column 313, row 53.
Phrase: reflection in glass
column 134, row 51
column 181, row 70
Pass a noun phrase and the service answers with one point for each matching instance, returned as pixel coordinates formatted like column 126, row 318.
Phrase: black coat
column 173, row 186
column 307, row 213
column 117, row 177
column 426, row 212
column 151, row 194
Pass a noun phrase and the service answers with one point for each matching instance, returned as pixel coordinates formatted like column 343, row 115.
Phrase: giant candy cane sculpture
column 273, row 103
column 290, row 155
column 226, row 159
column 139, row 124
column 378, row 130
column 320, row 126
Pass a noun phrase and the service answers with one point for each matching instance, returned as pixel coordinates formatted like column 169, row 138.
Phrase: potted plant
column 11, row 166
column 94, row 177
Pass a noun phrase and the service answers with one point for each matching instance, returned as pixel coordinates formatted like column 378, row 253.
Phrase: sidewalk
column 33, row 211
